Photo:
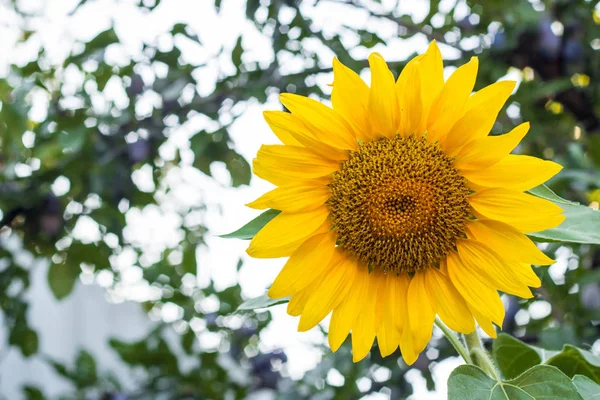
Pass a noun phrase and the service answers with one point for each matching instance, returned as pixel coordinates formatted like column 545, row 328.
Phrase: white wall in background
column 84, row 320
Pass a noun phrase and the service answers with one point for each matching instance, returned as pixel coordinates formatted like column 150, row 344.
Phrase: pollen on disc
column 398, row 204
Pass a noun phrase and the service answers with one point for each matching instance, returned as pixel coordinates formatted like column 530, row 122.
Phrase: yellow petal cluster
column 398, row 308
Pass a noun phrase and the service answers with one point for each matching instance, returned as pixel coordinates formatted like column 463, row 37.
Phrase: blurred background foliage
column 75, row 161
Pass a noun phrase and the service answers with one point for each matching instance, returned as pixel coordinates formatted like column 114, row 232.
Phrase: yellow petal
column 286, row 232
column 332, row 289
column 296, row 161
column 326, row 125
column 449, row 105
column 475, row 290
column 524, row 273
column 363, row 330
column 508, row 241
column 484, row 323
column 431, row 68
column 409, row 352
column 298, row 301
column 388, row 338
column 308, row 262
column 284, row 177
column 420, row 312
column 281, row 130
column 280, row 171
column 293, row 198
column 383, row 105
column 490, row 267
column 482, row 110
column 523, row 211
column 284, row 124
column 350, row 98
column 392, row 301
column 344, row 315
column 447, row 302
column 485, row 152
column 514, row 172
column 408, row 91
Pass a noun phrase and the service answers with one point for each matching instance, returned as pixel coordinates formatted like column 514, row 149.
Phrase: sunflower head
column 397, row 206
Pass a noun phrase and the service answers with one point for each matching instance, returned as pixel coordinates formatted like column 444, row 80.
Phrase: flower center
column 398, row 204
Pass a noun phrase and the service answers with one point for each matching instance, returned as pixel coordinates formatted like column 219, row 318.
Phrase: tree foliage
column 69, row 152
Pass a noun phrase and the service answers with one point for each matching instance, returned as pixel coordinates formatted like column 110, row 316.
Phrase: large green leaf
column 540, row 382
column 574, row 361
column 514, row 357
column 580, row 225
column 248, row 231
column 587, row 388
column 263, row 301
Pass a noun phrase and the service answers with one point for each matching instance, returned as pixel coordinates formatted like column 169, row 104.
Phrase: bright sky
column 156, row 227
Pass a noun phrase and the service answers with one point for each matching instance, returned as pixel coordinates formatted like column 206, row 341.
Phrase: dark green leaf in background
column 239, row 169
column 236, row 54
column 32, row 393
column 85, row 369
column 574, row 361
column 62, row 278
column 188, row 262
column 26, row 339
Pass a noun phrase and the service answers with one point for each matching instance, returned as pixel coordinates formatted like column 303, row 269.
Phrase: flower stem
column 455, row 341
column 480, row 356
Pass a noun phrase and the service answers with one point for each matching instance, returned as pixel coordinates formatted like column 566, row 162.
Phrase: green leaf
column 239, row 169
column 26, row 340
column 251, row 7
column 513, row 357
column 540, row 382
column 580, row 225
column 187, row 341
column 102, row 41
column 544, row 192
column 62, row 278
column 248, row 231
column 32, row 393
column 587, row 388
column 189, row 260
column 236, row 54
column 369, row 39
column 594, row 148
column 85, row 369
column 73, row 140
column 263, row 301
column 60, row 369
column 574, row 361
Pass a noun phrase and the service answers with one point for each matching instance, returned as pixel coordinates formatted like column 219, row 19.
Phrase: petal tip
column 304, row 324
column 376, row 55
column 433, row 47
column 256, row 205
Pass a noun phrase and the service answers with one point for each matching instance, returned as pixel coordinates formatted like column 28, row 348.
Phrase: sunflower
column 397, row 206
